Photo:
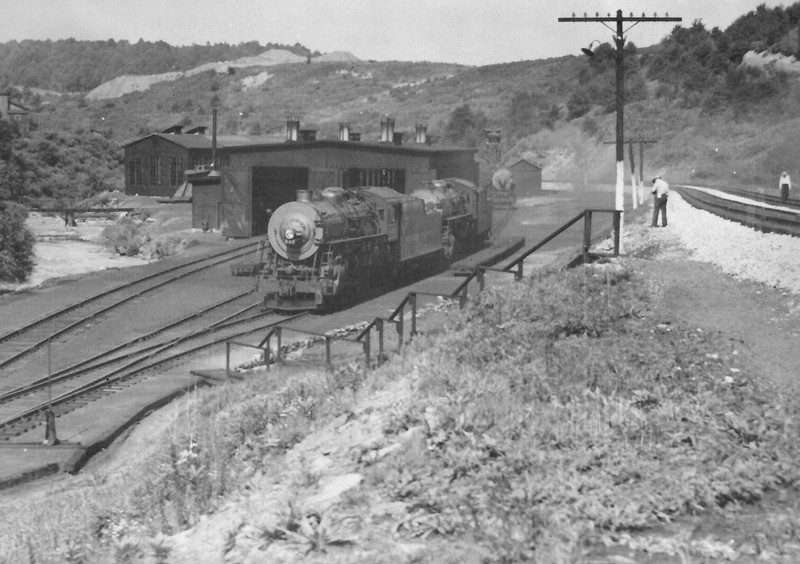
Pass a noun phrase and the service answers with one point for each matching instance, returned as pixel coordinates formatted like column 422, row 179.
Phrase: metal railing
column 461, row 293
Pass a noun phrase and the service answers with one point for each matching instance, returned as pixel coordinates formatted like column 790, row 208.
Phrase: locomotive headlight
column 294, row 232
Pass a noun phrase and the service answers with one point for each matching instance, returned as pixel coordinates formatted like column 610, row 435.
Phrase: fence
column 397, row 317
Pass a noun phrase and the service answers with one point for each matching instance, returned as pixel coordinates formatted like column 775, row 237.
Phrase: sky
column 470, row 32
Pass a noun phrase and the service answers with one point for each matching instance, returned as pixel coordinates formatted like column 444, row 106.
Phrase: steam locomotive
column 339, row 245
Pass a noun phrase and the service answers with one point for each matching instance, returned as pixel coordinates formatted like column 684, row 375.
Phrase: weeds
column 555, row 414
column 561, row 415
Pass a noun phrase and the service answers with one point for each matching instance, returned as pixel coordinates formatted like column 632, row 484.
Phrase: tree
column 465, row 127
column 16, row 244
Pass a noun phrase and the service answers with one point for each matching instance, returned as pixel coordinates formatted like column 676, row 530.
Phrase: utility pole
column 630, row 143
column 619, row 42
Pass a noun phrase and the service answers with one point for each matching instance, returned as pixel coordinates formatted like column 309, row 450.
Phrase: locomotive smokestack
column 387, row 129
column 344, row 131
column 292, row 129
column 420, row 134
column 214, row 138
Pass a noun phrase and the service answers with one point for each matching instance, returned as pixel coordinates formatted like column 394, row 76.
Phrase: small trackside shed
column 256, row 179
column 527, row 177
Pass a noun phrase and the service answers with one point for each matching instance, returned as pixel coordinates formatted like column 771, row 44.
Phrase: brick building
column 254, row 176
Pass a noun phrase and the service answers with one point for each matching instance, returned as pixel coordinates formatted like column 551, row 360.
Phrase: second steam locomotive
column 338, row 245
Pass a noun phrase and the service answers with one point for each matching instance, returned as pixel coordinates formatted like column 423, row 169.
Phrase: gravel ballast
column 744, row 253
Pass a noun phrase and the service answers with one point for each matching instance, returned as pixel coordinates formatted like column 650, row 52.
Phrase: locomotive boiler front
column 294, row 229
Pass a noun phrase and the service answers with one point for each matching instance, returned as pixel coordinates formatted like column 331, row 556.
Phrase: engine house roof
column 245, row 143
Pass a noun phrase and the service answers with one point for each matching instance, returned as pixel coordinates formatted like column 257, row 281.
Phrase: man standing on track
column 785, row 184
column 660, row 193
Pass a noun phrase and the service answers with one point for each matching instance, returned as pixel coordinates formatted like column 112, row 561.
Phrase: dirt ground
column 765, row 320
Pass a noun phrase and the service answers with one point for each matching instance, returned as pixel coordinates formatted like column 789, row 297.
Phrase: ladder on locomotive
column 326, row 258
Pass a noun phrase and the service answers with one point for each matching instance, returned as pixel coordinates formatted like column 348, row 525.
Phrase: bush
column 16, row 244
column 125, row 237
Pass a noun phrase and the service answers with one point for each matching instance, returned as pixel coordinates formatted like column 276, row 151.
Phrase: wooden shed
column 155, row 165
column 527, row 177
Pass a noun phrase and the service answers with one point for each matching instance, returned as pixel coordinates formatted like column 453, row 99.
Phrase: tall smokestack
column 292, row 129
column 387, row 129
column 214, row 138
column 344, row 131
column 421, row 134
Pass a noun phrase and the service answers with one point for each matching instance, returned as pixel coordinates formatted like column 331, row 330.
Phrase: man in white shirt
column 660, row 193
column 785, row 184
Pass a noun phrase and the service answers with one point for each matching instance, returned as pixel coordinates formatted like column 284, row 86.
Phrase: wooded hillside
column 713, row 118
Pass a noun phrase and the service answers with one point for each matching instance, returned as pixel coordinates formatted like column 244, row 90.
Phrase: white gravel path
column 744, row 253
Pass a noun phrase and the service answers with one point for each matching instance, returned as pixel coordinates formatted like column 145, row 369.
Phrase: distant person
column 660, row 193
column 785, row 184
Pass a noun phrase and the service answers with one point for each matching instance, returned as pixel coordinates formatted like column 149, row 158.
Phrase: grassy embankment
column 552, row 415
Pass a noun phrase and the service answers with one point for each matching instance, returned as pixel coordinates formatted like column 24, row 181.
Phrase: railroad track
column 24, row 340
column 761, row 195
column 77, row 386
column 766, row 217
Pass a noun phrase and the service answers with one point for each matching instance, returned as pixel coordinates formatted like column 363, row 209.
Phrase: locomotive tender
column 338, row 245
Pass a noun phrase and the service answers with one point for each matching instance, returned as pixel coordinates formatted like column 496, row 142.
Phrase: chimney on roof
column 174, row 130
column 344, row 131
column 199, row 130
column 387, row 129
column 421, row 134
column 292, row 129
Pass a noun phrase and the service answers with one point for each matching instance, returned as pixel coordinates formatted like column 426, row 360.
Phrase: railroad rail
column 129, row 350
column 760, row 215
column 79, row 386
column 759, row 195
column 26, row 339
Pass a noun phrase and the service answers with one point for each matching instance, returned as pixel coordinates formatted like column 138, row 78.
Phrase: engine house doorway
column 273, row 186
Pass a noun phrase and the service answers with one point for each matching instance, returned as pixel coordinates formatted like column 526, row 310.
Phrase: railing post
column 481, row 278
column 367, row 347
column 400, row 321
column 518, row 272
column 278, row 331
column 268, row 351
column 379, row 324
column 617, row 217
column 328, row 350
column 227, row 359
column 462, row 300
column 587, row 234
column 413, row 301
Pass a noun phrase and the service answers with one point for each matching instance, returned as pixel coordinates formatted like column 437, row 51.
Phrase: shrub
column 16, row 244
column 125, row 237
